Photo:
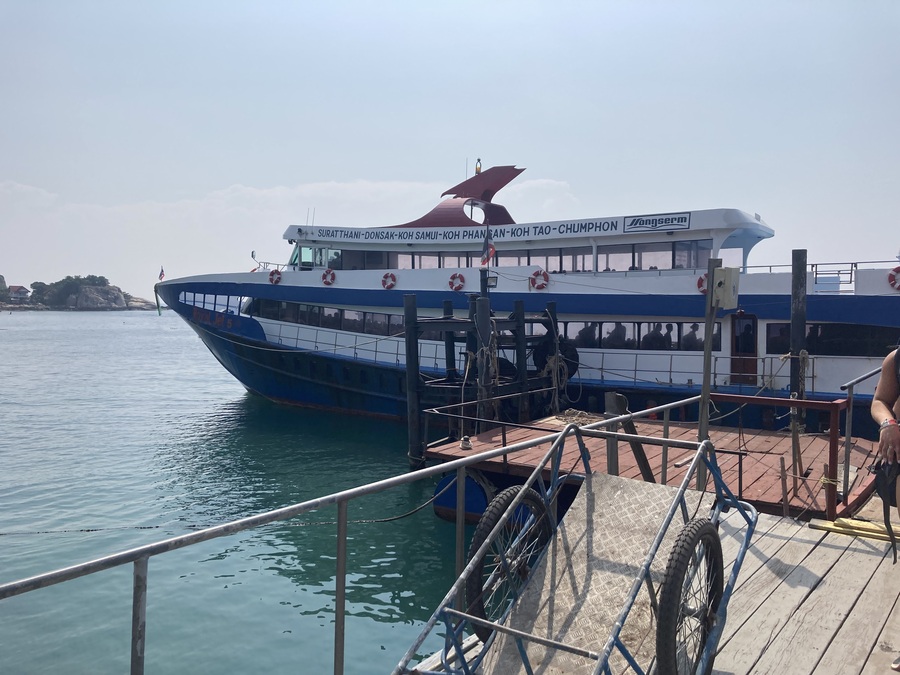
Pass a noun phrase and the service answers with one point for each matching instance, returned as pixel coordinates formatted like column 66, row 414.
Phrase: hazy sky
column 186, row 134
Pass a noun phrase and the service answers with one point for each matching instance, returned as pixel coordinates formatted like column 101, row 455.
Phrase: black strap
column 886, row 487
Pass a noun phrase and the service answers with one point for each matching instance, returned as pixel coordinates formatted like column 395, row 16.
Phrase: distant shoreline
column 140, row 305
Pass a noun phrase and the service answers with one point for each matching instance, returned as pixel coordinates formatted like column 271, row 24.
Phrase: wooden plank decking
column 809, row 602
column 759, row 470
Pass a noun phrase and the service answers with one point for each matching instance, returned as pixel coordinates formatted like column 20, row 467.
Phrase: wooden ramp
column 756, row 475
column 807, row 601
column 582, row 583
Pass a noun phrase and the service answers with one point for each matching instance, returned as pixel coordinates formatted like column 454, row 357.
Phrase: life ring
column 894, row 278
column 539, row 280
column 457, row 282
column 274, row 277
column 701, row 283
column 389, row 280
column 328, row 277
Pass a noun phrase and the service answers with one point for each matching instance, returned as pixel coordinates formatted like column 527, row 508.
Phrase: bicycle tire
column 689, row 599
column 492, row 586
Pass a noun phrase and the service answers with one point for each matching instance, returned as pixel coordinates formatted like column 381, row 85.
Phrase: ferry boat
column 326, row 328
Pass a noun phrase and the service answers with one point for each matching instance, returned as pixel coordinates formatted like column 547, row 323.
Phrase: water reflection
column 248, row 456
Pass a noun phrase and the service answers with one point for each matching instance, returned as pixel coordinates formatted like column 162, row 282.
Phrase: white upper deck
column 727, row 228
column 453, row 226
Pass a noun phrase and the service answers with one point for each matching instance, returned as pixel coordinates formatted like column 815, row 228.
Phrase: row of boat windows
column 821, row 339
column 831, row 339
column 620, row 257
column 608, row 334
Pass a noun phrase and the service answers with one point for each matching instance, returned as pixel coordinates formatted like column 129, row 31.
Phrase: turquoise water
column 124, row 424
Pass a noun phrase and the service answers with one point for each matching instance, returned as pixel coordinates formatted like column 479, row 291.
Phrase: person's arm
column 886, row 394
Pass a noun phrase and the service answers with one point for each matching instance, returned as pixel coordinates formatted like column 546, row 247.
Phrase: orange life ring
column 457, row 282
column 701, row 283
column 389, row 280
column 328, row 277
column 894, row 278
column 275, row 277
column 539, row 280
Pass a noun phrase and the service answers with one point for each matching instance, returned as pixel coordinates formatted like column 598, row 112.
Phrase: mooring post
column 522, row 363
column 483, row 331
column 449, row 345
column 798, row 325
column 612, row 445
column 712, row 307
column 413, row 411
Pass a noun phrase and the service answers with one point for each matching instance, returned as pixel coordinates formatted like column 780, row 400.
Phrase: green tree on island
column 57, row 293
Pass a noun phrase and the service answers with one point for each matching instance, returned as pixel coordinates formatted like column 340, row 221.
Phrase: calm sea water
column 118, row 421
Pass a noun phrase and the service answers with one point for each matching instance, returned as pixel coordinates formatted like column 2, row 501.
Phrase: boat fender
column 894, row 278
column 701, row 283
column 275, row 277
column 539, row 280
column 389, row 280
column 328, row 277
column 457, row 282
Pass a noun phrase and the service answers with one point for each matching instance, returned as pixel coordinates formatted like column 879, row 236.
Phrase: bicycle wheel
column 501, row 573
column 689, row 598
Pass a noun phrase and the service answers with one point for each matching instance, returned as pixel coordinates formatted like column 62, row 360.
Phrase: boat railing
column 766, row 373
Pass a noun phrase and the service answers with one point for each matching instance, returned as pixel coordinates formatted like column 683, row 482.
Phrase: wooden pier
column 755, row 475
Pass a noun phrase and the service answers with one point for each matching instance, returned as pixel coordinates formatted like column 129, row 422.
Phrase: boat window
column 535, row 329
column 331, row 317
column 454, row 260
column 306, row 257
column 613, row 258
column 295, row 256
column 396, row 325
column 290, row 312
column 376, row 260
column 655, row 335
column 584, row 334
column 656, row 255
column 313, row 314
column 269, row 309
column 778, row 338
column 405, row 261
column 578, row 259
column 334, row 259
column 835, row 339
column 353, row 260
column 427, row 261
column 618, row 335
column 692, row 254
column 511, row 258
column 353, row 320
column 691, row 337
column 548, row 259
column 376, row 324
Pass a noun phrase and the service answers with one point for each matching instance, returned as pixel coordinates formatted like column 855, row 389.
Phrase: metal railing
column 139, row 557
column 848, row 427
